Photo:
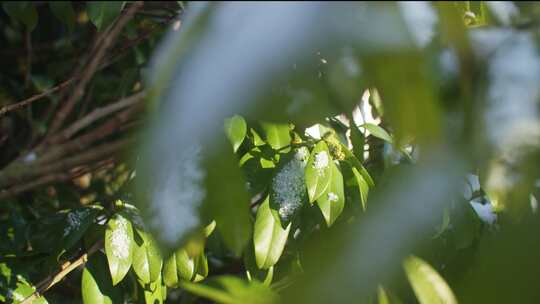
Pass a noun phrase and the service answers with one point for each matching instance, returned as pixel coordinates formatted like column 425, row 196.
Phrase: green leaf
column 428, row 285
column 63, row 10
column 232, row 290
column 97, row 285
column 103, row 13
column 201, row 267
column 185, row 265
column 363, row 187
column 288, row 189
column 357, row 140
column 156, row 292
column 170, row 272
column 277, row 135
column 355, row 163
column 377, row 131
column 257, row 140
column 23, row 11
column 269, row 237
column 382, row 296
column 227, row 200
column 22, row 291
column 119, row 246
column 318, row 171
column 332, row 201
column 236, row 129
column 147, row 261
column 77, row 223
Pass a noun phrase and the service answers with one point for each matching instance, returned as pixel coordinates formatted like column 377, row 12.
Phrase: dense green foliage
column 269, row 153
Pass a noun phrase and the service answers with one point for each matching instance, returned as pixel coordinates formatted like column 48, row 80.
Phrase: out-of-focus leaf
column 147, row 260
column 63, row 10
column 288, row 189
column 103, row 13
column 277, row 135
column 23, row 11
column 227, row 201
column 332, row 201
column 377, row 131
column 97, row 285
column 427, row 284
column 236, row 130
column 119, row 246
column 232, row 290
column 318, row 171
column 421, row 192
column 382, row 296
column 363, row 187
column 269, row 237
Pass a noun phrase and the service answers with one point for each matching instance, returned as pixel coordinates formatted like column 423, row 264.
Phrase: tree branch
column 28, row 101
column 92, row 66
column 51, row 280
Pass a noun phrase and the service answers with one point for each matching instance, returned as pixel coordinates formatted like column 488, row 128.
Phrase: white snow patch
column 321, row 160
column 119, row 239
column 503, row 10
column 484, row 211
column 74, row 220
column 332, row 197
column 420, row 18
column 289, row 187
column 175, row 204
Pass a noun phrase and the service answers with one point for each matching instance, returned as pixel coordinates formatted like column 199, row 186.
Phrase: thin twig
column 55, row 178
column 22, row 173
column 99, row 113
column 28, row 101
column 51, row 280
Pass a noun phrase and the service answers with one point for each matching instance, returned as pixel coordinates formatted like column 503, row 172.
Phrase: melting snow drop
column 321, row 160
column 332, row 197
column 120, row 240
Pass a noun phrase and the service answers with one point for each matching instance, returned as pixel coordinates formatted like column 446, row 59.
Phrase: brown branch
column 51, row 280
column 21, row 173
column 55, row 178
column 96, row 115
column 28, row 101
column 109, row 127
column 92, row 66
column 116, row 54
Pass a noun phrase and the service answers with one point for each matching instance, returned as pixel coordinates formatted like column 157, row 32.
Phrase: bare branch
column 51, row 280
column 92, row 66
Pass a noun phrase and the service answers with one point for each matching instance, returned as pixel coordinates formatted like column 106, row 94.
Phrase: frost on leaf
column 302, row 154
column 321, row 160
column 120, row 240
column 74, row 220
column 332, row 197
column 288, row 190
